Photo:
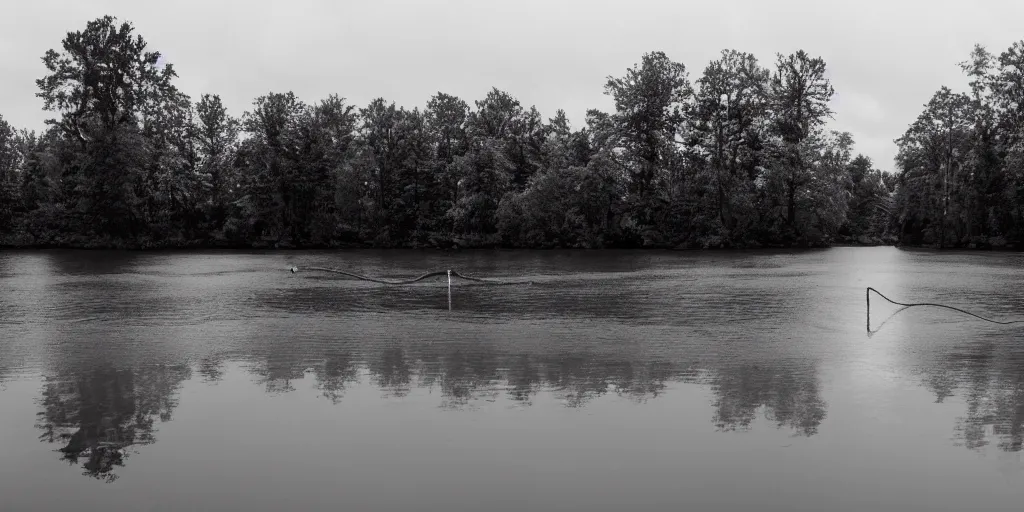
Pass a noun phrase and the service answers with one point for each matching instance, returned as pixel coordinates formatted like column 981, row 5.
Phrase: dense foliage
column 740, row 157
column 962, row 161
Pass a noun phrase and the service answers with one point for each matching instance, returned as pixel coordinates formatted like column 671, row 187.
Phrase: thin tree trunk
column 945, row 179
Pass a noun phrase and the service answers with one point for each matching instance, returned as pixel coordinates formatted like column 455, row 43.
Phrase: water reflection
column 788, row 395
column 211, row 368
column 100, row 415
column 338, row 370
column 745, row 348
column 988, row 376
column 392, row 372
column 577, row 379
column 463, row 375
column 784, row 391
column 278, row 375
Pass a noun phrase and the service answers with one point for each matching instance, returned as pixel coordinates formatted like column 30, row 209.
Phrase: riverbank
column 188, row 245
column 448, row 244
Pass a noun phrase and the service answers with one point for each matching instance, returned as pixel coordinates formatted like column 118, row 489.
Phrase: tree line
column 962, row 160
column 739, row 157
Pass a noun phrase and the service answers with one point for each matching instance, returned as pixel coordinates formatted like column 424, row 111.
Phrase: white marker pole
column 449, row 290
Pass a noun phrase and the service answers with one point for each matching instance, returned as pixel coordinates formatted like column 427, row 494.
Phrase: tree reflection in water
column 392, row 372
column 788, row 394
column 278, row 374
column 337, row 370
column 212, row 369
column 100, row 415
column 989, row 377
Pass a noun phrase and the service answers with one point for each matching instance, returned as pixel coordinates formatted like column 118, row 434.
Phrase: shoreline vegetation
column 206, row 245
column 738, row 157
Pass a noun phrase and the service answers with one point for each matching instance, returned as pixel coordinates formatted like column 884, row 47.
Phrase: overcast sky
column 885, row 58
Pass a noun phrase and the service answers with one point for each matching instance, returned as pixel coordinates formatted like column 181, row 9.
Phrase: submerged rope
column 416, row 279
column 905, row 305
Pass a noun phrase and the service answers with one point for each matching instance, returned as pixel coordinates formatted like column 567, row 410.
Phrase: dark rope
column 375, row 280
column 870, row 289
column 488, row 281
column 415, row 280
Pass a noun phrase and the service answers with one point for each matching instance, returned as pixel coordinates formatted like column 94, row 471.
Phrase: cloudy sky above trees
column 885, row 58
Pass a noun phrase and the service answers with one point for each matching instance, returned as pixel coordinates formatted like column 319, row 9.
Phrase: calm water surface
column 618, row 381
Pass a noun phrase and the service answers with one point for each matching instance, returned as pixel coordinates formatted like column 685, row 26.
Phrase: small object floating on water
column 294, row 269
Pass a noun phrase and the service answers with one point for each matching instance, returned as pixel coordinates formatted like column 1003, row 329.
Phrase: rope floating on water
column 910, row 305
column 449, row 273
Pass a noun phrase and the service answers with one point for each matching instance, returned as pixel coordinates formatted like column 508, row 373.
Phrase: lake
column 618, row 380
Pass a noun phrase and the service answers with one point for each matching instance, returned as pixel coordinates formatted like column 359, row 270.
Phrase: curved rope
column 488, row 281
column 373, row 279
column 870, row 289
column 414, row 280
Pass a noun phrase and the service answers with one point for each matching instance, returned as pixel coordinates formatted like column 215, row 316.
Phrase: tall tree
column 726, row 136
column 171, row 186
column 100, row 84
column 650, row 104
column 446, row 118
column 381, row 137
column 485, row 176
column 987, row 193
column 271, row 155
column 519, row 133
column 800, row 94
column 932, row 154
column 414, row 172
column 216, row 137
column 1006, row 83
column 332, row 187
column 10, row 162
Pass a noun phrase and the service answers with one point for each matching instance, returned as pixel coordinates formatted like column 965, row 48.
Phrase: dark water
column 619, row 381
